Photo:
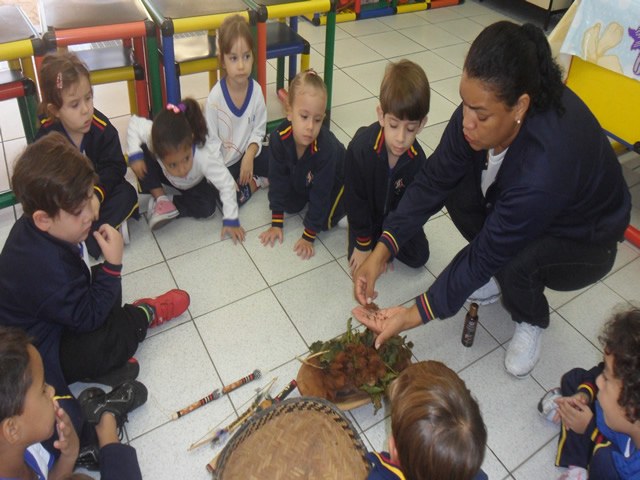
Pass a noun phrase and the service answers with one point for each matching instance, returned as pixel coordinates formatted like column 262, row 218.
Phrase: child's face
column 39, row 410
column 399, row 134
column 306, row 115
column 239, row 61
column 77, row 107
column 609, row 388
column 179, row 162
column 74, row 227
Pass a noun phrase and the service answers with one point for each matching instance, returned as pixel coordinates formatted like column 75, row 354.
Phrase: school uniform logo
column 309, row 178
column 399, row 186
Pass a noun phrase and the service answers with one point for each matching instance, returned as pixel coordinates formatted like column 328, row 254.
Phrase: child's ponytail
column 178, row 125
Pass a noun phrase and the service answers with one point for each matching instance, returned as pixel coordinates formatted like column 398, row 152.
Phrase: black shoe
column 89, row 458
column 126, row 373
column 119, row 401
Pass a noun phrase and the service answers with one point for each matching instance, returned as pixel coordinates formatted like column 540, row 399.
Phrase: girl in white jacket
column 173, row 150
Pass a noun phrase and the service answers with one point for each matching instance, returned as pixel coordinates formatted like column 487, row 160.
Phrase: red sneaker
column 169, row 305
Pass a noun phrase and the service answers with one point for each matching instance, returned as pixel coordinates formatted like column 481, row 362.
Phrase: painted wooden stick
column 217, row 394
column 285, row 391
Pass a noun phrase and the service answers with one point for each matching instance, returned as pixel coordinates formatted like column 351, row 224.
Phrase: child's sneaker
column 161, row 211
column 124, row 231
column 126, row 373
column 244, row 194
column 119, row 401
column 167, row 306
column 547, row 405
column 574, row 473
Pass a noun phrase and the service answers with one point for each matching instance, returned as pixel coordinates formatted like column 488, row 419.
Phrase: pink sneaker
column 162, row 212
column 167, row 306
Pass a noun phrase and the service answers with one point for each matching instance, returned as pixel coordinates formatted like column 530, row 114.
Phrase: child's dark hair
column 404, row 91
column 308, row 78
column 232, row 28
column 177, row 126
column 621, row 339
column 513, row 60
column 15, row 376
column 58, row 72
column 52, row 175
column 436, row 424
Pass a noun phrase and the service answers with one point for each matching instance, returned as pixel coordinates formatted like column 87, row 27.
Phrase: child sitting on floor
column 600, row 408
column 382, row 161
column 74, row 314
column 173, row 150
column 437, row 430
column 67, row 107
column 29, row 412
column 306, row 166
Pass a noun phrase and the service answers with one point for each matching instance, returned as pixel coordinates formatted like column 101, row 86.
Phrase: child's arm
column 278, row 188
column 109, row 161
column 67, row 443
column 218, row 174
column 259, row 114
column 138, row 133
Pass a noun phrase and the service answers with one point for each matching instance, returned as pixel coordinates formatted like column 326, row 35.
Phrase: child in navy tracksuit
column 306, row 166
column 600, row 408
column 437, row 431
column 383, row 159
column 67, row 107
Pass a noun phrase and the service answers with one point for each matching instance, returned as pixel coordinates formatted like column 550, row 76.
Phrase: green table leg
column 329, row 47
column 154, row 74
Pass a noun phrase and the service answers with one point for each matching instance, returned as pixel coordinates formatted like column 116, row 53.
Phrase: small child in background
column 306, row 165
column 600, row 408
column 383, row 159
column 29, row 412
column 173, row 150
column 74, row 314
column 437, row 430
column 235, row 110
column 67, row 107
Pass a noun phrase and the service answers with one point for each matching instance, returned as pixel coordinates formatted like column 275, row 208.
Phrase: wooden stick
column 216, row 394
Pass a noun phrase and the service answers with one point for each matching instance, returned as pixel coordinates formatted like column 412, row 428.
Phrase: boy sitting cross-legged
column 73, row 313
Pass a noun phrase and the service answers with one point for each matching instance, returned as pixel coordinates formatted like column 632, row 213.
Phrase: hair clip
column 173, row 108
column 182, row 107
column 59, row 81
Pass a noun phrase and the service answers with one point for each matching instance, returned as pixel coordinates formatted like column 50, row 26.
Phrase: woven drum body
column 299, row 438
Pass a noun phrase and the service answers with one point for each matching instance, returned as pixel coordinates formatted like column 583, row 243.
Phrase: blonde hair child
column 306, row 166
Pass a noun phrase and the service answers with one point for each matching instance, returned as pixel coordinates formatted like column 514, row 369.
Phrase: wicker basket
column 299, row 438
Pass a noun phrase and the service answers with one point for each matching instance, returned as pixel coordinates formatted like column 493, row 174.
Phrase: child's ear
column 393, row 451
column 10, row 429
column 380, row 115
column 52, row 110
column 42, row 220
column 289, row 112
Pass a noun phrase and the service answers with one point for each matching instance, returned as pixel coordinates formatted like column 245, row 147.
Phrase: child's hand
column 110, row 242
column 68, row 442
column 574, row 414
column 235, row 233
column 139, row 167
column 357, row 258
column 304, row 249
column 246, row 169
column 269, row 237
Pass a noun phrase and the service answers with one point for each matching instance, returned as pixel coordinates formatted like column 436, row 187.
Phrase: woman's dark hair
column 15, row 375
column 621, row 339
column 178, row 125
column 514, row 60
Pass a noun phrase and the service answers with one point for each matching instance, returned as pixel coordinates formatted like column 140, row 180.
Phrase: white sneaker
column 574, row 473
column 547, row 405
column 487, row 294
column 124, row 231
column 523, row 351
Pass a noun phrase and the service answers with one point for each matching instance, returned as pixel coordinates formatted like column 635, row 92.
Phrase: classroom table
column 173, row 17
column 88, row 21
column 272, row 9
column 19, row 42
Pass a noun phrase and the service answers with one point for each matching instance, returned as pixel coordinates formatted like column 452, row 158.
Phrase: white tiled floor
column 255, row 307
